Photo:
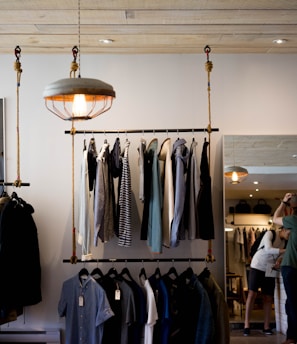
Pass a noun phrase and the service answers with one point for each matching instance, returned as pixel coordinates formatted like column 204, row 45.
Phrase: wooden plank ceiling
column 154, row 26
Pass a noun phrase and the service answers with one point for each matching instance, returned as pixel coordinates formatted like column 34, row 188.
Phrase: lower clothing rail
column 25, row 336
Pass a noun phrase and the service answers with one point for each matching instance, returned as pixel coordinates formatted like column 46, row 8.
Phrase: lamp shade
column 60, row 98
column 235, row 174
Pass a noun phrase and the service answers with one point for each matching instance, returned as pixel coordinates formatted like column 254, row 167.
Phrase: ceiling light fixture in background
column 235, row 174
column 280, row 41
column 77, row 98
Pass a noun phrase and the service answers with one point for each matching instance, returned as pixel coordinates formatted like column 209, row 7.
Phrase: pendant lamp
column 235, row 174
column 77, row 98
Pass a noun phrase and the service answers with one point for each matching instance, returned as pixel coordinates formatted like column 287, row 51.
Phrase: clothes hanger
column 157, row 273
column 126, row 272
column 188, row 273
column 97, row 273
column 83, row 274
column 172, row 271
column 112, row 272
column 142, row 273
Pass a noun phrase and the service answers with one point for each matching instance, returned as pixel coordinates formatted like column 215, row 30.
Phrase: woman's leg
column 249, row 306
column 267, row 307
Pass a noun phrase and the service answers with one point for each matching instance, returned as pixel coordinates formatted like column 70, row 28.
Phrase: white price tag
column 117, row 294
column 81, row 301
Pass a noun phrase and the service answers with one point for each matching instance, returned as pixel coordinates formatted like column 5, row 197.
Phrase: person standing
column 269, row 250
column 289, row 262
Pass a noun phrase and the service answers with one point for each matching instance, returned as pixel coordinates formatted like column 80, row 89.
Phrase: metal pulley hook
column 17, row 52
column 74, row 65
column 74, row 52
column 207, row 51
column 17, row 64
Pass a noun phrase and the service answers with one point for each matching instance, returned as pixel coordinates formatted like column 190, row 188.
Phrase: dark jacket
column 204, row 206
column 20, row 269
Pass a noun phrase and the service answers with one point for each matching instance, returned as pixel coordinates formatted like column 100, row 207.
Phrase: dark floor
column 256, row 336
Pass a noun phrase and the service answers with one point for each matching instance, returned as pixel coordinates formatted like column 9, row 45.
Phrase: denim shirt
column 85, row 306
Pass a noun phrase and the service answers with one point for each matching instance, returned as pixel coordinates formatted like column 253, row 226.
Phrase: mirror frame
column 2, row 139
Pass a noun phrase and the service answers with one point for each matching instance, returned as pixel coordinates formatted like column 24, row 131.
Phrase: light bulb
column 79, row 106
column 234, row 177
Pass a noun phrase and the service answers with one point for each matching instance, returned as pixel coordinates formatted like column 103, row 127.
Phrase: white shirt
column 152, row 313
column 269, row 253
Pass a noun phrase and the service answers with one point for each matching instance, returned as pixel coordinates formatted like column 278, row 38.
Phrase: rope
column 18, row 69
column 73, row 258
column 208, row 67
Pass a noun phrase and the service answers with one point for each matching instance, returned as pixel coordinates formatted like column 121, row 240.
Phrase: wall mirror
column 271, row 161
column 2, row 142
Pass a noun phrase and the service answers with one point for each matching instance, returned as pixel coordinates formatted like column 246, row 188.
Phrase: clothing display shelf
column 142, row 131
column 251, row 219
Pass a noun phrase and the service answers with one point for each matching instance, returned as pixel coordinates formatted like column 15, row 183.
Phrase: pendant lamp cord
column 208, row 67
column 18, row 69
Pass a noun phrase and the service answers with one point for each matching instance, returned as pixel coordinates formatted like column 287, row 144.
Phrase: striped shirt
column 125, row 235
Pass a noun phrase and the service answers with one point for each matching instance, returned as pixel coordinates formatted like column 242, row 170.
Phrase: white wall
column 250, row 94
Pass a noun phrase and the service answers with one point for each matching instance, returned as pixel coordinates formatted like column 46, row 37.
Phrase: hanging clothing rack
column 141, row 131
column 14, row 184
column 137, row 260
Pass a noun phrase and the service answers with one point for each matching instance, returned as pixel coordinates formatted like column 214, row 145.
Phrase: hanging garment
column 112, row 326
column 204, row 205
column 141, row 151
column 85, row 211
column 173, row 289
column 128, row 313
column 192, row 191
column 148, row 163
column 197, row 322
column 19, row 256
column 136, row 328
column 162, row 326
column 238, row 243
column 166, row 175
column 119, row 329
column 151, row 310
column 85, row 306
column 92, row 163
column 219, row 307
column 116, row 172
column 103, row 199
column 154, row 233
column 180, row 156
column 125, row 228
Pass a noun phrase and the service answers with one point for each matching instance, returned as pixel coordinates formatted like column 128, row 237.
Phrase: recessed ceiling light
column 280, row 41
column 256, row 182
column 294, row 156
column 106, row 41
column 251, row 195
column 257, row 190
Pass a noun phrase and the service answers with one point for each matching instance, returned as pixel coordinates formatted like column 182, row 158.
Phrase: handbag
column 243, row 207
column 262, row 207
